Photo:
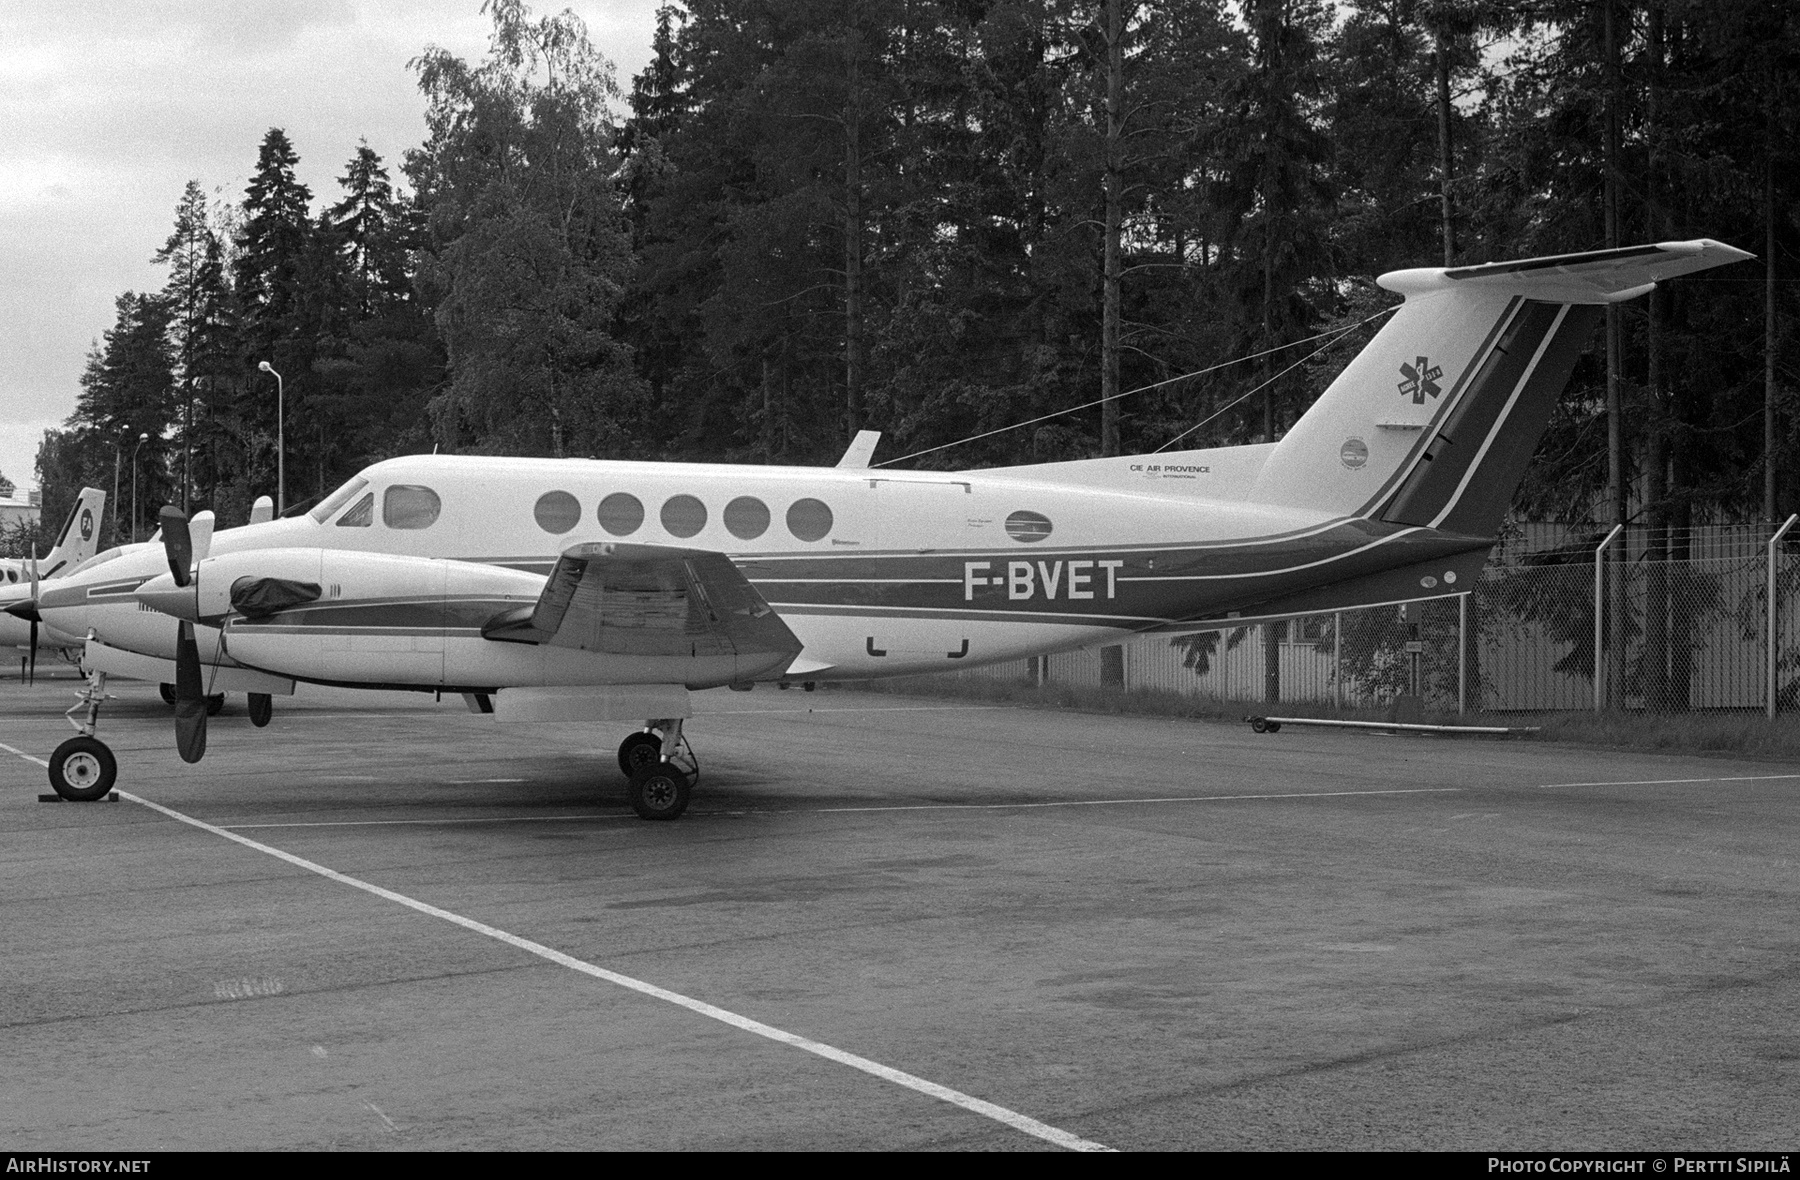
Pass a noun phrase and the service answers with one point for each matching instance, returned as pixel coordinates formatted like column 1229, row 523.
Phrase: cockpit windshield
column 338, row 499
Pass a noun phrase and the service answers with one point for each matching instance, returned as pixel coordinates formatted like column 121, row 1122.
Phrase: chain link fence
column 1672, row 636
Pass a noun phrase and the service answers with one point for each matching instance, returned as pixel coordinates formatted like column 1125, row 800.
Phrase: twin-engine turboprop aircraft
column 581, row 591
column 79, row 538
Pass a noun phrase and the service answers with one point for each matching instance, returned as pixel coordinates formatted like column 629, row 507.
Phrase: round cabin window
column 683, row 515
column 809, row 519
column 557, row 512
column 747, row 518
column 1028, row 526
column 621, row 514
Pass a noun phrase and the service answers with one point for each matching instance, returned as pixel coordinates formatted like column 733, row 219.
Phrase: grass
column 1740, row 734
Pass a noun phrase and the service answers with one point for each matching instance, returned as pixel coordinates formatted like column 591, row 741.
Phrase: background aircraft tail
column 80, row 536
column 1432, row 424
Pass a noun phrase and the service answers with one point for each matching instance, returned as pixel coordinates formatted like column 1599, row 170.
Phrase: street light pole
column 280, row 439
column 142, row 439
column 114, row 505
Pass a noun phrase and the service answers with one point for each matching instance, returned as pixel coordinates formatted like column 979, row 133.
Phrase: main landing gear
column 660, row 769
column 82, row 769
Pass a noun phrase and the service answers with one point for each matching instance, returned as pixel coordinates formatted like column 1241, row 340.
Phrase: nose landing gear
column 82, row 769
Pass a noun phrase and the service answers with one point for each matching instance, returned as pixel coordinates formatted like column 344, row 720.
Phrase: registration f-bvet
column 583, row 591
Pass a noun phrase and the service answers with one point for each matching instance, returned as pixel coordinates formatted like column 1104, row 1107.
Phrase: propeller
column 31, row 653
column 186, row 543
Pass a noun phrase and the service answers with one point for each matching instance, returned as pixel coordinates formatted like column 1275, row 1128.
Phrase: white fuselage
column 876, row 573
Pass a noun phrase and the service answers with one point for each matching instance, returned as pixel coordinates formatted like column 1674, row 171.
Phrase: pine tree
column 272, row 241
column 370, row 228
column 127, row 391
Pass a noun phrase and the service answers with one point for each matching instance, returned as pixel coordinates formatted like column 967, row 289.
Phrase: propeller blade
column 200, row 530
column 31, row 656
column 178, row 544
column 190, row 694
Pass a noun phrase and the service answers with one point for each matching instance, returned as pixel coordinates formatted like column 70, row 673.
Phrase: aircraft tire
column 262, row 707
column 658, row 790
column 167, row 691
column 83, row 769
column 639, row 749
column 215, row 704
column 1258, row 725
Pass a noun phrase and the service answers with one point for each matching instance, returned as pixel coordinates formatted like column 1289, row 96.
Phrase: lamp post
column 280, row 439
column 142, row 439
column 114, row 502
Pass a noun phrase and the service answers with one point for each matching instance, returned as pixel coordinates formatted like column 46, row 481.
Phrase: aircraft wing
column 647, row 600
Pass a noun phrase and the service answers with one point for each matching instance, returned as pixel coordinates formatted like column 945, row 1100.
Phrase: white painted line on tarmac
column 1663, row 782
column 1000, row 1114
column 465, row 781
column 382, row 823
column 24, row 755
column 852, row 709
column 1097, row 802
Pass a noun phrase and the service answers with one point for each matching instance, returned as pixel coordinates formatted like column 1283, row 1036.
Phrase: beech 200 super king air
column 583, row 591
column 79, row 538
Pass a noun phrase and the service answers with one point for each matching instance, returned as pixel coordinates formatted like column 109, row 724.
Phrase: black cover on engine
column 258, row 598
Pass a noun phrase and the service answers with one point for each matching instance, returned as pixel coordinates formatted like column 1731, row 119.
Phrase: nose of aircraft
column 162, row 594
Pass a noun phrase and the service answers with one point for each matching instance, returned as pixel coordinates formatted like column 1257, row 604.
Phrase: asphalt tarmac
column 889, row 923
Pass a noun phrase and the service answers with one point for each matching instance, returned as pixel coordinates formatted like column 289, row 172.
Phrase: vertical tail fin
column 1433, row 422
column 80, row 536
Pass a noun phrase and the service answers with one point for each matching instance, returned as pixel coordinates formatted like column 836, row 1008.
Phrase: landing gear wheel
column 658, row 790
column 215, row 704
column 262, row 707
column 83, row 770
column 639, row 749
column 1259, row 725
column 168, row 693
column 1274, row 727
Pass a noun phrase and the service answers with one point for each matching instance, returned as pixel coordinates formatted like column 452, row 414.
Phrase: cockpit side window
column 410, row 506
column 338, row 499
column 361, row 516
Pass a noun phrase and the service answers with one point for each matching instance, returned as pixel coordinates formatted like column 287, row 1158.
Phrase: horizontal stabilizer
column 1595, row 276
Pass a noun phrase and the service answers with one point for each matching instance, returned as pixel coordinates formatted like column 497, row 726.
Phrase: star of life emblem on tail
column 1421, row 379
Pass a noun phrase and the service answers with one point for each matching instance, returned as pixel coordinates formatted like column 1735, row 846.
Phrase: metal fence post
column 1774, row 618
column 1600, row 619
column 1462, row 653
column 1337, row 659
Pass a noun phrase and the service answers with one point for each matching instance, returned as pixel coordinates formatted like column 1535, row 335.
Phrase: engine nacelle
column 349, row 617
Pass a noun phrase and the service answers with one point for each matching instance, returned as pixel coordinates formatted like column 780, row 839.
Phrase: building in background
column 17, row 507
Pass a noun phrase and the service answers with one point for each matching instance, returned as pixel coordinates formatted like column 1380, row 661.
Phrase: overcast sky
column 109, row 107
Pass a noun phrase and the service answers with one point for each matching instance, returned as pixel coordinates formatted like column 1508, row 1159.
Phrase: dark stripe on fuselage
column 1453, row 443
column 409, row 615
column 1507, row 316
column 1165, row 584
column 1486, row 496
column 1093, row 587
